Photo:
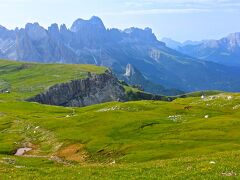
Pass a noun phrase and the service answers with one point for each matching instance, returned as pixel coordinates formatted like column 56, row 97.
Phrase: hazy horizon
column 180, row 20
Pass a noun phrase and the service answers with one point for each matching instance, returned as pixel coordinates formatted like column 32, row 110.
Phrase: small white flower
column 114, row 162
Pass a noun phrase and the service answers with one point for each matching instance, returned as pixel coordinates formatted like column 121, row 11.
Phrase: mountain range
column 90, row 42
column 225, row 51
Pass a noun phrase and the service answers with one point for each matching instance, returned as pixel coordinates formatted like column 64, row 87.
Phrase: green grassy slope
column 216, row 166
column 129, row 132
column 137, row 135
column 25, row 80
column 145, row 139
column 28, row 79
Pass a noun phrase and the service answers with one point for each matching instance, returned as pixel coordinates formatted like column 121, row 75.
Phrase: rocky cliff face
column 93, row 90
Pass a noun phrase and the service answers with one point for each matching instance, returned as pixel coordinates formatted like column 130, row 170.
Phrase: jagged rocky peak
column 148, row 30
column 53, row 28
column 91, row 24
column 130, row 71
column 54, row 31
column 141, row 34
column 96, row 20
column 63, row 28
column 35, row 31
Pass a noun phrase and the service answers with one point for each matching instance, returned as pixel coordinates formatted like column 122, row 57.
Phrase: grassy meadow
column 189, row 138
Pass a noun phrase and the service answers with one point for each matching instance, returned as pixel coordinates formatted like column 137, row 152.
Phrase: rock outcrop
column 78, row 93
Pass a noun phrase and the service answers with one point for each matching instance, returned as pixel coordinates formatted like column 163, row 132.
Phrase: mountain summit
column 95, row 23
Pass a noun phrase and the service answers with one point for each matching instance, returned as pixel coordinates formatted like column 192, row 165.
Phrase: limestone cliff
column 84, row 92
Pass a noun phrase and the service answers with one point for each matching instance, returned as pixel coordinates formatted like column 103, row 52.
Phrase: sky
column 177, row 19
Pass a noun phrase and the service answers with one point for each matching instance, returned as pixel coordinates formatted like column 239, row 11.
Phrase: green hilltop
column 27, row 79
column 188, row 138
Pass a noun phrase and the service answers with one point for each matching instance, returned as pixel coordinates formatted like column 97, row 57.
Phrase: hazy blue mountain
column 178, row 45
column 225, row 51
column 89, row 41
column 189, row 42
column 172, row 43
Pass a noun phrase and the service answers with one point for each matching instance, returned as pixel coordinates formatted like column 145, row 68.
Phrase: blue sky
column 178, row 19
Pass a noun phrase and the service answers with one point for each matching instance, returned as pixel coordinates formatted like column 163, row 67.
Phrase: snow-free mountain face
column 225, row 51
column 89, row 41
column 172, row 43
column 178, row 45
column 94, row 24
column 134, row 77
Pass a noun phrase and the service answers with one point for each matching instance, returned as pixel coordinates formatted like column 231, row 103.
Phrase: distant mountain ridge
column 178, row 45
column 90, row 42
column 225, row 51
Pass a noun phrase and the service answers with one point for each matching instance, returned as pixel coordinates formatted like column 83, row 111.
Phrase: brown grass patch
column 74, row 152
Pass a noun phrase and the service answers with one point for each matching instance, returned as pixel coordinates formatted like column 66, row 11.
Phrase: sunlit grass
column 136, row 140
